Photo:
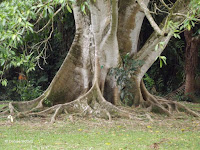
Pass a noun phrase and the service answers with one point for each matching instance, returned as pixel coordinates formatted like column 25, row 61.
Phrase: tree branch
column 162, row 1
column 149, row 17
column 49, row 20
column 114, row 18
column 186, row 16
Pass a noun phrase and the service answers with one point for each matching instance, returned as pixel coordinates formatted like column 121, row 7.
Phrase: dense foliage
column 31, row 32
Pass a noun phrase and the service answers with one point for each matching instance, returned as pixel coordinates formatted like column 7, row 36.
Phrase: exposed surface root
column 161, row 105
column 93, row 104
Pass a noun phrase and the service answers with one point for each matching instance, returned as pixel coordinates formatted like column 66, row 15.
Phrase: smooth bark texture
column 82, row 84
column 130, row 22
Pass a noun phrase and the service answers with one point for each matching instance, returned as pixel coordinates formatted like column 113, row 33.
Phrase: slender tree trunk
column 191, row 61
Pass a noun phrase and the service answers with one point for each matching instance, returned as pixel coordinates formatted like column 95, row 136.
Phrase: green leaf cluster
column 123, row 75
column 17, row 19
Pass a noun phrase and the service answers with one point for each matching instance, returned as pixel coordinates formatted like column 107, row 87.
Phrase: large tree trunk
column 82, row 84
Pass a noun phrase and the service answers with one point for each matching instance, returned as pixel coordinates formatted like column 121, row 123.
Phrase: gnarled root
column 161, row 105
column 93, row 104
column 90, row 104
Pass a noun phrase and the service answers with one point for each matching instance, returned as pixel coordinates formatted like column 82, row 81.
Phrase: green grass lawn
column 177, row 133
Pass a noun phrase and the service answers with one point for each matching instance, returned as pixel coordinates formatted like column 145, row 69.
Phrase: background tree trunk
column 191, row 61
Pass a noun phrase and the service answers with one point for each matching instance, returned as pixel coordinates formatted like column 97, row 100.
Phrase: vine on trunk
column 124, row 74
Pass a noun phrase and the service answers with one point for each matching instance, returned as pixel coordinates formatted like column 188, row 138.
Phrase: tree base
column 93, row 104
